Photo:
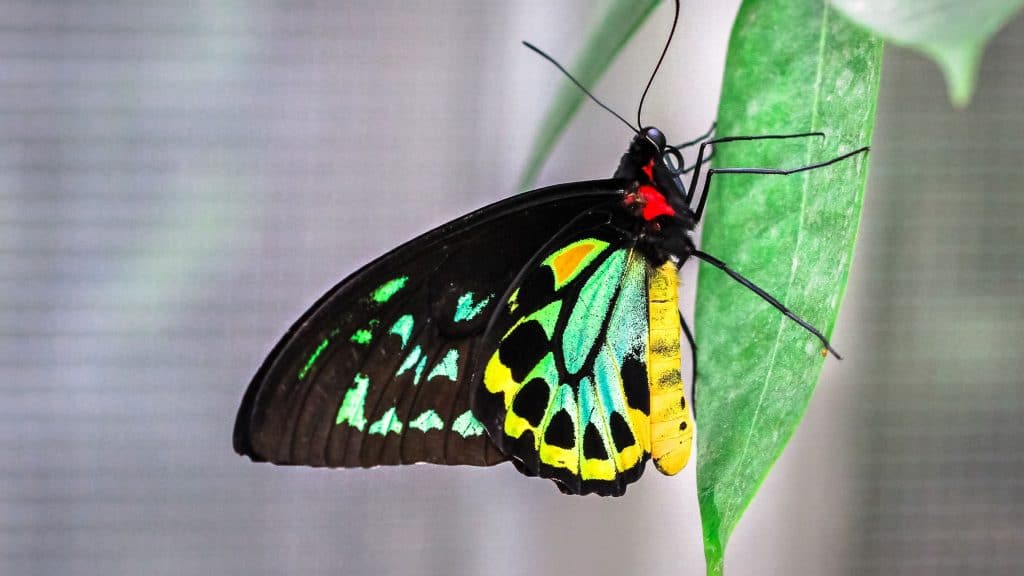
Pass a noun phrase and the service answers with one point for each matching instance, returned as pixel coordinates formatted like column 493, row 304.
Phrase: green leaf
column 791, row 67
column 620, row 21
column 953, row 33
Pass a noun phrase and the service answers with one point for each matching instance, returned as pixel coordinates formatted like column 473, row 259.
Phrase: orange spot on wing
column 565, row 264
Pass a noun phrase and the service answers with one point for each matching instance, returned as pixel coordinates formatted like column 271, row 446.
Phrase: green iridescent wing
column 565, row 391
column 378, row 370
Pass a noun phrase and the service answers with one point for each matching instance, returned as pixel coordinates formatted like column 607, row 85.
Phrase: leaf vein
column 805, row 189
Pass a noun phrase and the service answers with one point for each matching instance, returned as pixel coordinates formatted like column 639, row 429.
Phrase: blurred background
column 178, row 182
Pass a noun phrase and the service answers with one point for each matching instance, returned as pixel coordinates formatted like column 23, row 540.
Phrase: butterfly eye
column 655, row 137
column 672, row 159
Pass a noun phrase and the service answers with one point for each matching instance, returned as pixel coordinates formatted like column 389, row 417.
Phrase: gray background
column 178, row 181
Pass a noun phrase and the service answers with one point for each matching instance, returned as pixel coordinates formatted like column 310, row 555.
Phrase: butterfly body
column 543, row 329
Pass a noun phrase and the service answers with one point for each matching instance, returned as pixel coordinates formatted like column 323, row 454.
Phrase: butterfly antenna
column 578, row 85
column 640, row 108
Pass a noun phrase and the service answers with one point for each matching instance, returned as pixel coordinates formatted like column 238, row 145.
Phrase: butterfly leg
column 707, row 181
column 706, row 159
column 698, row 139
column 767, row 298
column 693, row 356
column 682, row 169
column 701, row 159
column 679, row 171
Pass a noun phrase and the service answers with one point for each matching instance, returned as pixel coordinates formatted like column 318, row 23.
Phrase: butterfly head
column 654, row 137
column 655, row 183
column 655, row 195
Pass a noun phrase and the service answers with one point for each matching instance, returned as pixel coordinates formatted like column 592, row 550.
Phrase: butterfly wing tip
column 243, row 448
column 253, row 457
column 242, row 442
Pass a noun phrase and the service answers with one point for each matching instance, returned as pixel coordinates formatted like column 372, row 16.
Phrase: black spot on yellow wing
column 561, row 431
column 593, row 444
column 621, row 435
column 532, row 401
column 524, row 348
column 634, row 382
column 525, row 448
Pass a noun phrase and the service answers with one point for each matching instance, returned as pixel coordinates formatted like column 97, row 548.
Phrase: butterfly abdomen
column 671, row 426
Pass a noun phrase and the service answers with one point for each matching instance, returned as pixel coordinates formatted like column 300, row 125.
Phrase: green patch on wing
column 352, row 407
column 403, row 328
column 428, row 420
column 415, row 360
column 388, row 422
column 364, row 336
column 361, row 336
column 546, row 316
column 467, row 425
column 513, row 301
column 385, row 291
column 447, row 367
column 590, row 311
column 467, row 309
column 312, row 358
column 311, row 361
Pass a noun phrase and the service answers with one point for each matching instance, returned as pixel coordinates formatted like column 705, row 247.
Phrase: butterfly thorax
column 656, row 200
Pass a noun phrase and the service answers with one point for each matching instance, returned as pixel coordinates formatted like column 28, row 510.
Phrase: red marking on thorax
column 654, row 201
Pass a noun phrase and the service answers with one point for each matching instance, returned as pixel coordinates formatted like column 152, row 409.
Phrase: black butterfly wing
column 377, row 371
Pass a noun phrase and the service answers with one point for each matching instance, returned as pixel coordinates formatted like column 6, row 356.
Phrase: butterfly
column 543, row 329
